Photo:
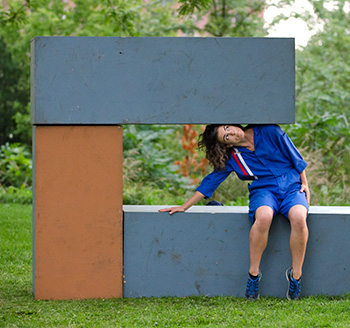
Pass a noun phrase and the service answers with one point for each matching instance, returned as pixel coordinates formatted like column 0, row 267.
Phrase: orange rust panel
column 78, row 212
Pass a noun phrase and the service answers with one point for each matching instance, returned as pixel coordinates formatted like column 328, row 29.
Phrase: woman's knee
column 297, row 217
column 263, row 217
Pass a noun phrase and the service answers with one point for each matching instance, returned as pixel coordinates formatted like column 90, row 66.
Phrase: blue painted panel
column 205, row 251
column 113, row 80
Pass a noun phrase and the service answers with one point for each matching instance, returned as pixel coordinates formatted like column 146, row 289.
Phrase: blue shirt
column 275, row 164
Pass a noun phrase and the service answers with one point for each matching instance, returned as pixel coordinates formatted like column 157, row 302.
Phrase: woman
column 264, row 155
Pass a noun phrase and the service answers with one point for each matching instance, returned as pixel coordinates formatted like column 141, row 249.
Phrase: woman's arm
column 288, row 149
column 305, row 186
column 196, row 197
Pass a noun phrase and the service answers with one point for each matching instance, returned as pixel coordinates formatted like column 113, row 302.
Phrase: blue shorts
column 264, row 197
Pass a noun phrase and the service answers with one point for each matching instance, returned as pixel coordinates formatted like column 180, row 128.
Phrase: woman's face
column 230, row 135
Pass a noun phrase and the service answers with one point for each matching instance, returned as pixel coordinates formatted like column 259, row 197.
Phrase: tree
column 323, row 67
column 229, row 18
column 21, row 20
column 323, row 101
column 12, row 98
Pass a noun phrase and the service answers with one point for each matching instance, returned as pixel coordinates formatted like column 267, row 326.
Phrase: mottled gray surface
column 114, row 80
column 205, row 251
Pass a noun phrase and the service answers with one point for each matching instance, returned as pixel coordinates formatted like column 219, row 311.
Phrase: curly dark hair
column 215, row 152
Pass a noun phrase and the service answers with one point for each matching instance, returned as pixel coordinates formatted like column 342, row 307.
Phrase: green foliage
column 15, row 174
column 228, row 18
column 23, row 129
column 19, row 309
column 323, row 104
column 322, row 85
column 188, row 7
column 236, row 18
column 325, row 143
column 150, row 174
column 12, row 98
column 20, row 21
column 15, row 166
column 327, row 133
column 15, row 195
column 15, row 13
column 323, row 67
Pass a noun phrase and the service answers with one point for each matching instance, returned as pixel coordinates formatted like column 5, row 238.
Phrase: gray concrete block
column 114, row 80
column 205, row 251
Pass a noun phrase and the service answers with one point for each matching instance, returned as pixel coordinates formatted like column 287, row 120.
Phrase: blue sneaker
column 294, row 286
column 252, row 290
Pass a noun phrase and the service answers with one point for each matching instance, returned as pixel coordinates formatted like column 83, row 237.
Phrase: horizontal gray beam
column 114, row 80
column 205, row 251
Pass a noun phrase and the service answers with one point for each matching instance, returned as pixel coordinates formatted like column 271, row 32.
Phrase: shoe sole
column 287, row 277
column 252, row 299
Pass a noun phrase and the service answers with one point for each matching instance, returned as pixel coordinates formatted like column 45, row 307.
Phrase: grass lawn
column 19, row 309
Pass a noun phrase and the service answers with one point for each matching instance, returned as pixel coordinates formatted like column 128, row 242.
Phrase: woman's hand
column 173, row 210
column 305, row 188
column 196, row 197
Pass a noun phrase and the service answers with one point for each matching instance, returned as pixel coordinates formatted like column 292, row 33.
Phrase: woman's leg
column 298, row 238
column 259, row 234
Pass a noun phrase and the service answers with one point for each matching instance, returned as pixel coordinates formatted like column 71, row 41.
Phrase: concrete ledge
column 205, row 251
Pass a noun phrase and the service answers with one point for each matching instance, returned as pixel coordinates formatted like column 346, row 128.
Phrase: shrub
column 16, row 195
column 149, row 173
column 15, row 166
